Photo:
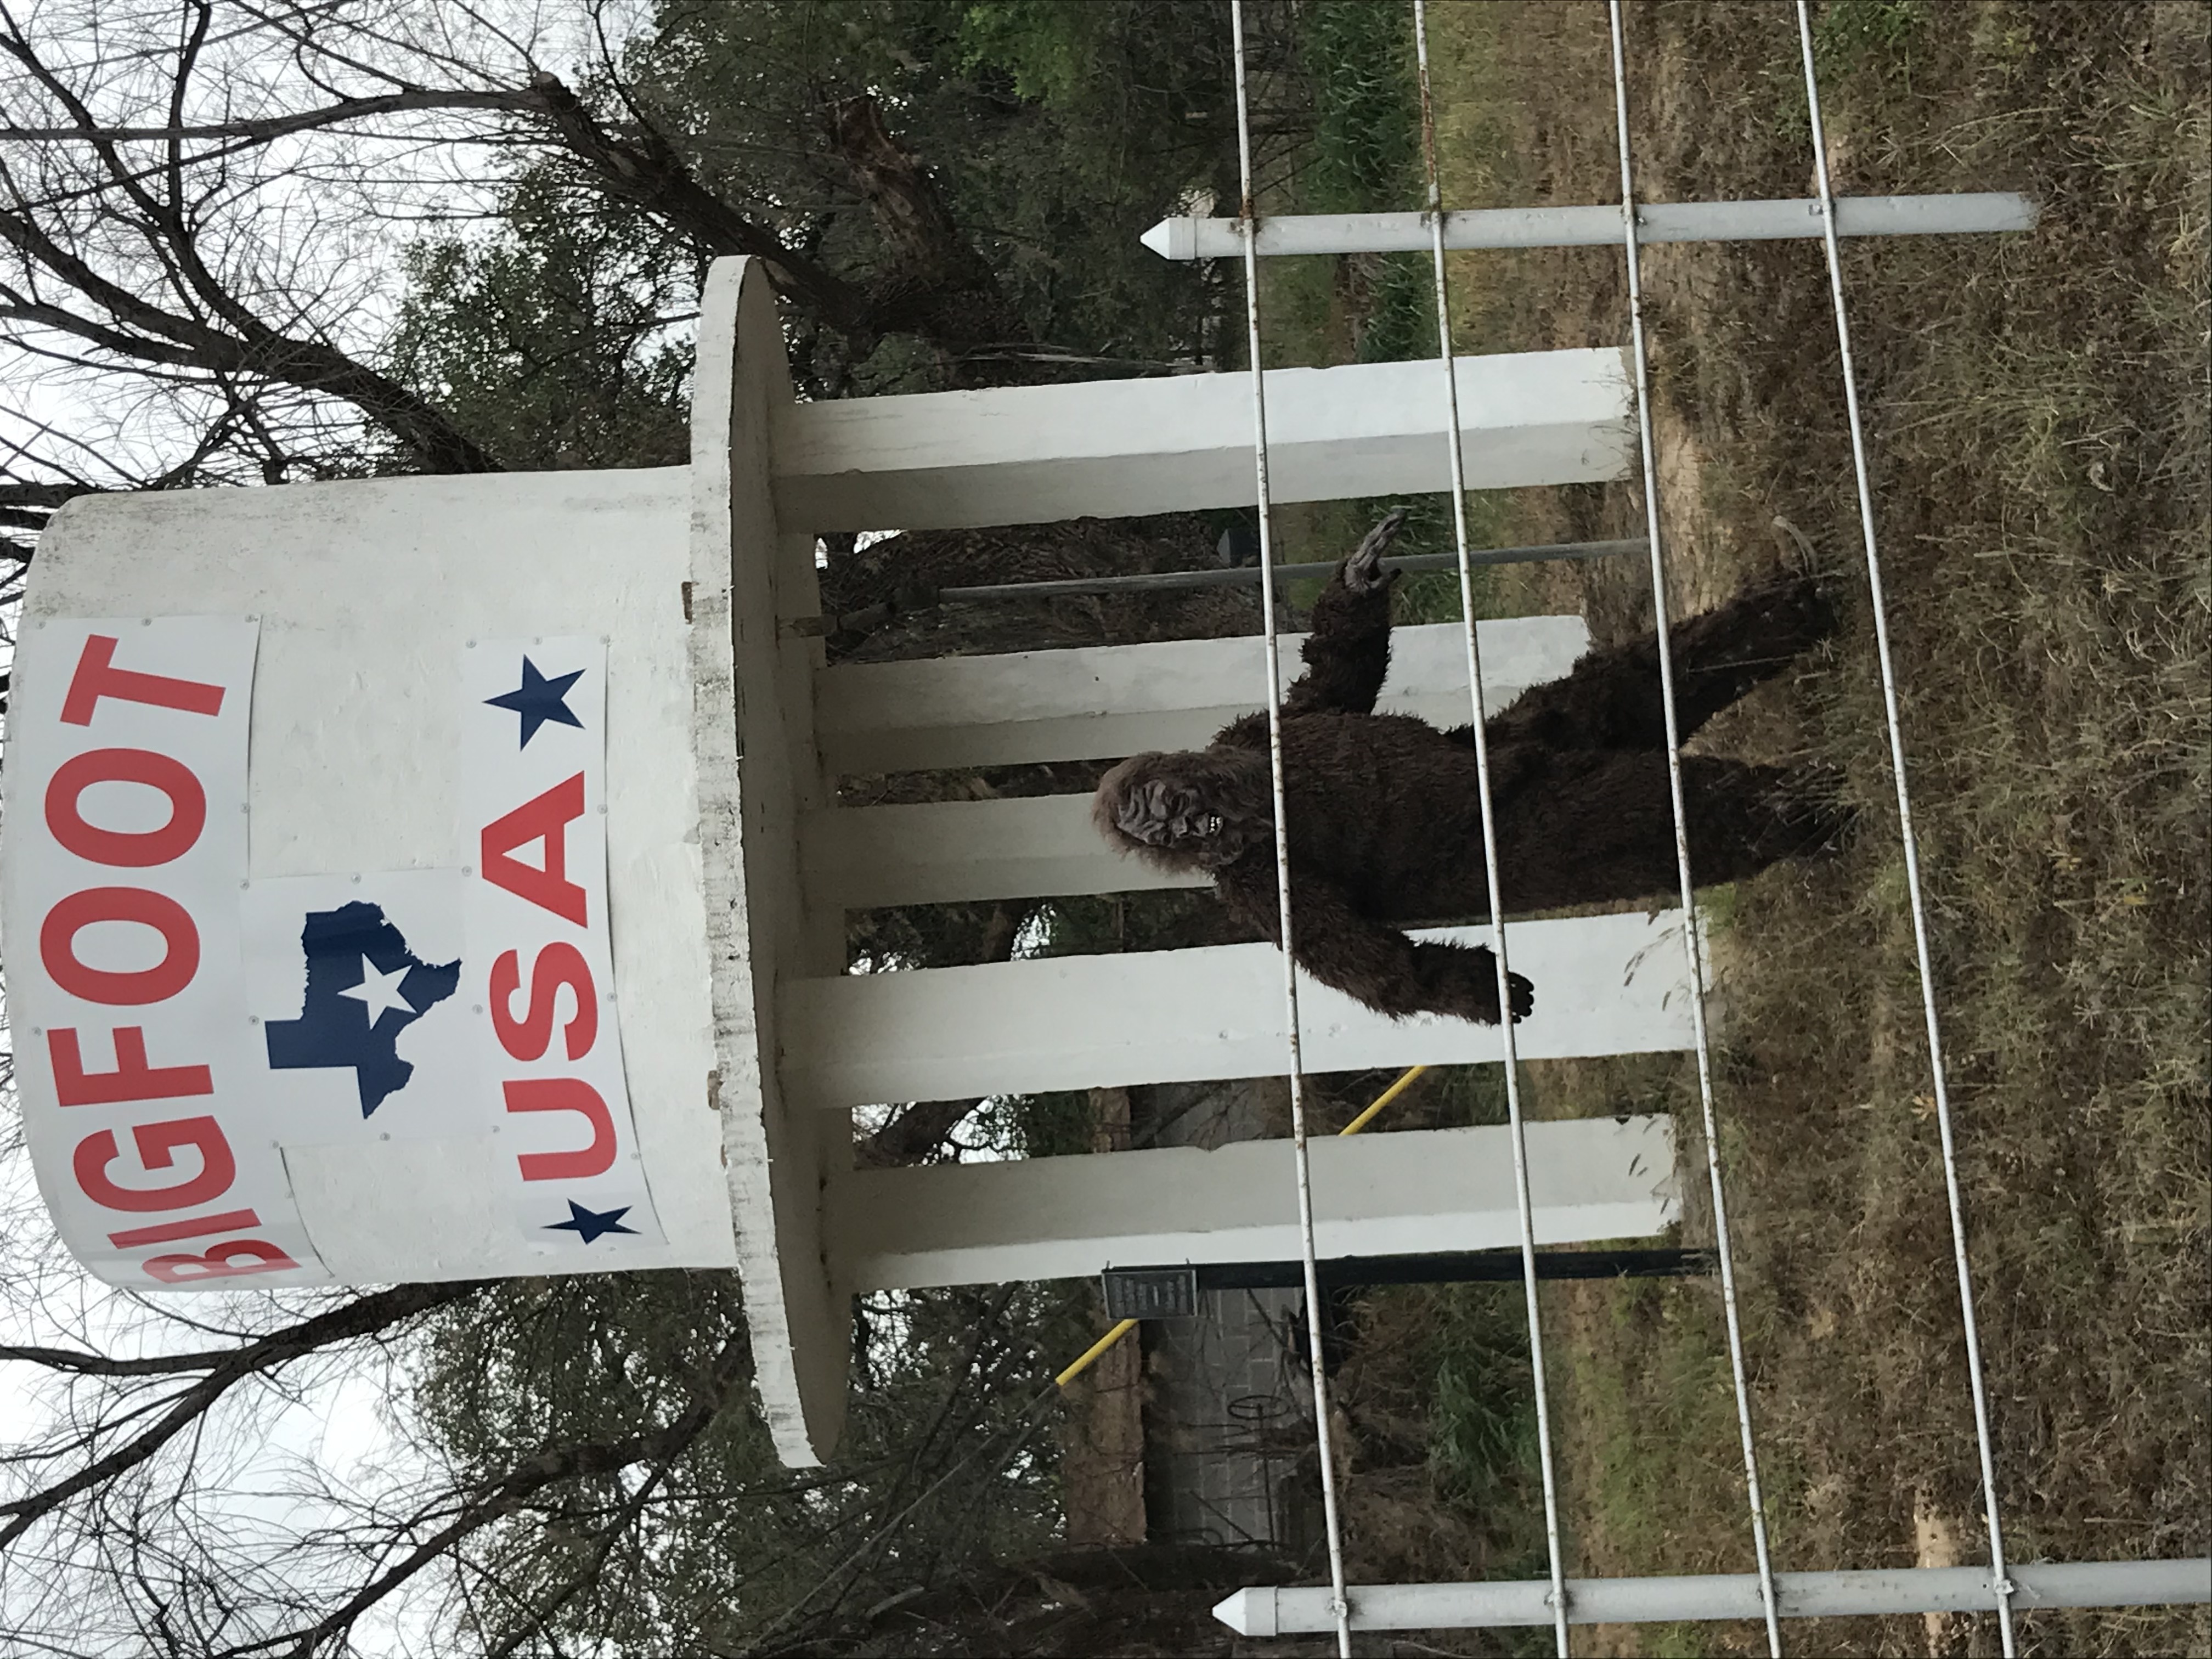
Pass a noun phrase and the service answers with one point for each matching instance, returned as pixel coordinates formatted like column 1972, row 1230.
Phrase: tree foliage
column 561, row 341
column 260, row 242
column 700, row 1541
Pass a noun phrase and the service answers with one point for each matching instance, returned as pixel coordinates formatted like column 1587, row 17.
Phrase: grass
column 1369, row 308
column 2037, row 411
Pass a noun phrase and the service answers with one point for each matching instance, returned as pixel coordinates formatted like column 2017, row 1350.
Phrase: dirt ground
column 2036, row 407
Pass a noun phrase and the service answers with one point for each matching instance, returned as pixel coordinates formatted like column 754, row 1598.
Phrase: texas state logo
column 353, row 987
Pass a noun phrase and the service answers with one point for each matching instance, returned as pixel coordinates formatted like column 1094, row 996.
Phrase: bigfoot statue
column 1385, row 827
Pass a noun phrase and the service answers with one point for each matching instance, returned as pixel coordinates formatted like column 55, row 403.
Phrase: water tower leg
column 1605, row 985
column 1375, row 1195
column 1110, row 448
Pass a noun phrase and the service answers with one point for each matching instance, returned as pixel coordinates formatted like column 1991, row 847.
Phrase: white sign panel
column 533, row 788
column 136, row 1061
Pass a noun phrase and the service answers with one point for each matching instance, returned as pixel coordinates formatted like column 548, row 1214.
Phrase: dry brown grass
column 2037, row 407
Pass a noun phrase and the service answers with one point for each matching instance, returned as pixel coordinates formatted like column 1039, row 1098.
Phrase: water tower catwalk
column 444, row 877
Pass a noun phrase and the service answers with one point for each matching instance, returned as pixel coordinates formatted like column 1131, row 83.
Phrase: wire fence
column 1693, row 943
column 1435, row 218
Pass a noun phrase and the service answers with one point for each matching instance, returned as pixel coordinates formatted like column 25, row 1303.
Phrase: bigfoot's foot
column 1612, row 699
column 1744, row 817
column 1723, row 653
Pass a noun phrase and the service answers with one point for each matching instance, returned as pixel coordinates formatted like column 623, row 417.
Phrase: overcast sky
column 317, row 211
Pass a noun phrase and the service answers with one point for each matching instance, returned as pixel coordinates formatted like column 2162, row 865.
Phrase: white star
column 378, row 992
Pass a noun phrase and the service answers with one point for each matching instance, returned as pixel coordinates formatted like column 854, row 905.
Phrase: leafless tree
column 198, row 202
column 191, row 196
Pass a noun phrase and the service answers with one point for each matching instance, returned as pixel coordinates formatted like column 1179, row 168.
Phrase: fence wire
column 1340, row 1604
column 1693, row 943
column 1524, row 1208
column 1980, row 1391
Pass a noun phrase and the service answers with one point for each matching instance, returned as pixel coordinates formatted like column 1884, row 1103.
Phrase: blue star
column 588, row 1224
column 538, row 700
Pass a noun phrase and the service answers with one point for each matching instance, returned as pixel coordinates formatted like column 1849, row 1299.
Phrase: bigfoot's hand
column 1479, row 987
column 1431, row 976
column 1362, row 571
column 1464, row 981
column 1523, row 993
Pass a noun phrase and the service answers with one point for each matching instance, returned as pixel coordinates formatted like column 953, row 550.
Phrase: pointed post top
column 1249, row 1612
column 1173, row 239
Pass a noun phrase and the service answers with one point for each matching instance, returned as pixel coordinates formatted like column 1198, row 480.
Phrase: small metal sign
column 1150, row 1292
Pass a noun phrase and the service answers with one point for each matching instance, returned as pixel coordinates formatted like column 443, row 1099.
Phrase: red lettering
column 157, row 1150
column 181, row 940
column 221, row 1262
column 545, row 819
column 138, row 851
column 97, row 677
column 132, row 1078
column 556, row 966
column 167, row 1232
column 565, row 1094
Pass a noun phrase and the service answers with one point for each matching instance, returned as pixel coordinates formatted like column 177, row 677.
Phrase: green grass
column 1365, row 156
column 1358, row 60
column 2038, row 411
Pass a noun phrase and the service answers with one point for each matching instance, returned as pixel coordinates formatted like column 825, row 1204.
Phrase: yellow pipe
column 1091, row 1354
column 1382, row 1099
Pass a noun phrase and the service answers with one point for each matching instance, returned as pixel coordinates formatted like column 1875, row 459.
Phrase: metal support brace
column 1596, row 227
column 1268, row 1611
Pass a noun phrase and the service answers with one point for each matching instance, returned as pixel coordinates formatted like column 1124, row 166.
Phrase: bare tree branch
column 496, row 1499
column 262, row 129
column 365, row 1316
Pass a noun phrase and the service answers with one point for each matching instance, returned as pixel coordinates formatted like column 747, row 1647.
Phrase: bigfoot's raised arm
column 1348, row 653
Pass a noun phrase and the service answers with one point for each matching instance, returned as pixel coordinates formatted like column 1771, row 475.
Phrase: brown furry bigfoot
column 1386, row 829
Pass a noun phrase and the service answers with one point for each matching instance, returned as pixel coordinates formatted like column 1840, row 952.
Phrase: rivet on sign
column 243, row 807
column 468, row 869
column 603, row 808
column 253, row 1019
column 145, row 621
column 357, row 881
column 472, row 645
column 386, row 1135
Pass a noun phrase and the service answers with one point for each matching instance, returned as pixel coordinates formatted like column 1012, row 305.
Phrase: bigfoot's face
column 1192, row 811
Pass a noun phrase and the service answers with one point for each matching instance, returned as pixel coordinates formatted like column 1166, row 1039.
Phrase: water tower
column 441, row 877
